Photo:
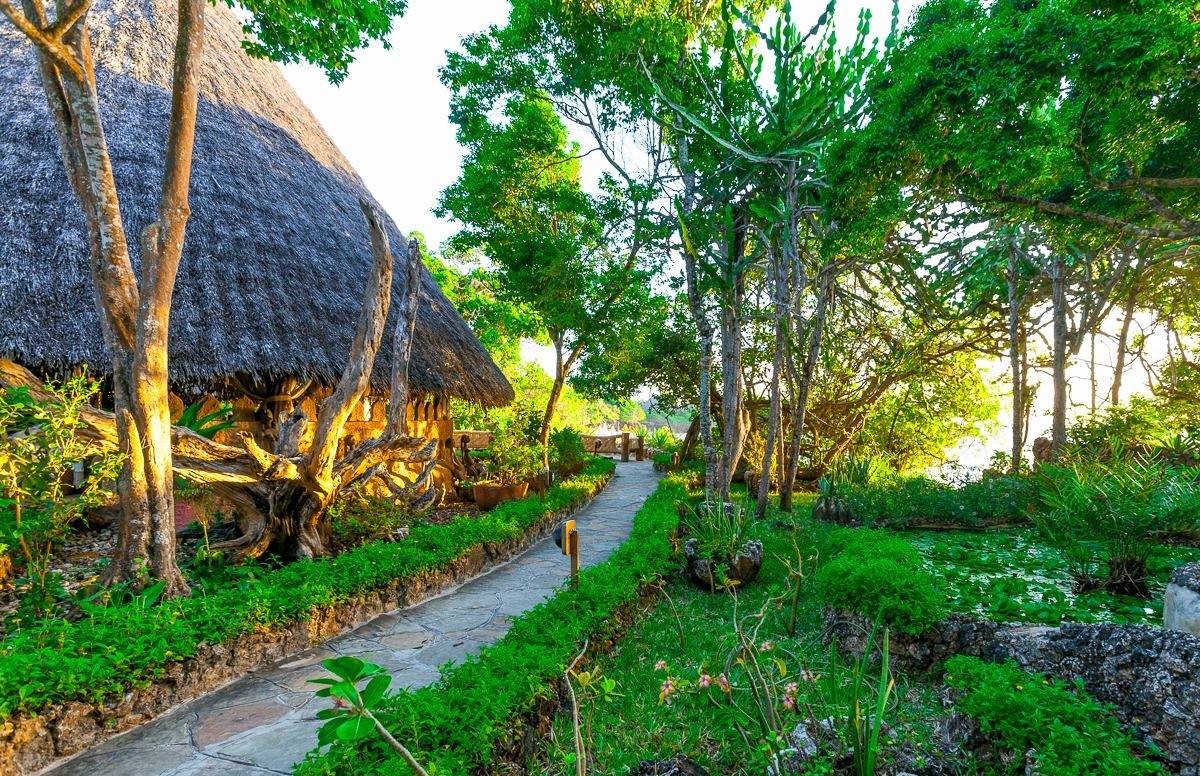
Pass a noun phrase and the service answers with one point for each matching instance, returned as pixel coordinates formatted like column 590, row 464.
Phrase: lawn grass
column 692, row 633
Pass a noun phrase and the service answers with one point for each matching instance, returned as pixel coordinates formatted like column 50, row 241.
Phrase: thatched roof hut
column 277, row 251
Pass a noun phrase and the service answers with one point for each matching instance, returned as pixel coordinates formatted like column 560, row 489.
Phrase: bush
column 880, row 577
column 511, row 460
column 663, row 440
column 1110, row 513
column 456, row 724
column 1067, row 732
column 567, row 453
column 358, row 518
column 117, row 647
column 720, row 530
column 995, row 498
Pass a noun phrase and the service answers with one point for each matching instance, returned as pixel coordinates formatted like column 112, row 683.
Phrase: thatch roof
column 277, row 251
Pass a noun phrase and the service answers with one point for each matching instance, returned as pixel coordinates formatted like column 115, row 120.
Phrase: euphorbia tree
column 136, row 306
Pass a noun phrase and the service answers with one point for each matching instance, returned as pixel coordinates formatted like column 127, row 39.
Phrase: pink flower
column 704, row 681
column 789, row 702
column 791, row 688
column 664, row 693
column 723, row 683
column 766, row 646
column 660, row 665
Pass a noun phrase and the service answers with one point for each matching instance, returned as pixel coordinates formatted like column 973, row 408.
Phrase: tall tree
column 522, row 203
column 136, row 306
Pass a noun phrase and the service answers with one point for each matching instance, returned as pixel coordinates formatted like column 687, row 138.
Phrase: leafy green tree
column 1075, row 114
column 521, row 202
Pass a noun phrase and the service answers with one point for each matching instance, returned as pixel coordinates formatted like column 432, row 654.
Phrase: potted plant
column 511, row 464
column 831, row 505
column 719, row 554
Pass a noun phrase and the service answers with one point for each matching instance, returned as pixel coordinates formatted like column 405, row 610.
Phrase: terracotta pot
column 488, row 496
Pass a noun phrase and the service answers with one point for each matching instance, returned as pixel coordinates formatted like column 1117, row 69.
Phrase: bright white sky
column 390, row 119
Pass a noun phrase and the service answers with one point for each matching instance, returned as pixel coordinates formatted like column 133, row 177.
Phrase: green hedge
column 125, row 646
column 1067, row 731
column 881, row 577
column 455, row 724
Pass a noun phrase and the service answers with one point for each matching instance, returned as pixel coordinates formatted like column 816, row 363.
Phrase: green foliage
column 116, row 647
column 567, row 453
column 323, row 33
column 1066, row 731
column 1015, row 575
column 880, row 577
column 719, row 529
column 209, row 424
column 1141, row 426
column 1009, row 103
column 663, row 439
column 907, row 500
column 1109, row 513
column 455, row 724
column 357, row 518
column 39, row 446
column 511, row 459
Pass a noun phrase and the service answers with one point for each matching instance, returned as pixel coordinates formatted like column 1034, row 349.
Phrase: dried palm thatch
column 277, row 253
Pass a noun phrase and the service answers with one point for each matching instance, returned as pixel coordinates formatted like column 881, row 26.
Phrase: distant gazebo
column 277, row 252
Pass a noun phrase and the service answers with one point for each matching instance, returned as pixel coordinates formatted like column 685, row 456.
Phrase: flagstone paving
column 266, row 722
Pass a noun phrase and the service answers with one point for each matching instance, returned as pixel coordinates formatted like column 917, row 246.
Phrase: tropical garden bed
column 65, row 684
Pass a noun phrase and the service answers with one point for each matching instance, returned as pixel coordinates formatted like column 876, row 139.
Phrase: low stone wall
column 1151, row 675
column 29, row 742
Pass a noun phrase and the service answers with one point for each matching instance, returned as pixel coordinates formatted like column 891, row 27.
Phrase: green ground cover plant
column 880, row 576
column 128, row 644
column 454, row 725
column 1066, row 732
column 1015, row 575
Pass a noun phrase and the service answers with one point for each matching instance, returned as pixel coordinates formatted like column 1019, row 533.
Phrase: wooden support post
column 625, row 447
column 573, row 538
column 641, row 448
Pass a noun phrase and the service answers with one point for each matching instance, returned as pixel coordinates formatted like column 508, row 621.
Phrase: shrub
column 995, row 498
column 663, row 440
column 39, row 444
column 511, row 460
column 358, row 518
column 1109, row 514
column 720, row 530
column 880, row 577
column 1067, row 732
column 567, row 453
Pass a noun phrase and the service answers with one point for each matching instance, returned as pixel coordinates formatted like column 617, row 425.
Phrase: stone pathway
column 265, row 722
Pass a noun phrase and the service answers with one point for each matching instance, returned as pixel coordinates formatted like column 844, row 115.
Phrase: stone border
column 32, row 742
column 1150, row 675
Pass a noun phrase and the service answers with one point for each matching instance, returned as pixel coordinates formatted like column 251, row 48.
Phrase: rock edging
column 1150, row 675
column 31, row 742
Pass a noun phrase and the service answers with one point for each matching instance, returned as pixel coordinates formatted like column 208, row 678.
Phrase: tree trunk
column 1123, row 346
column 734, row 429
column 777, row 280
column 1058, row 435
column 704, row 327
column 1014, row 355
column 560, row 378
column 800, row 401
